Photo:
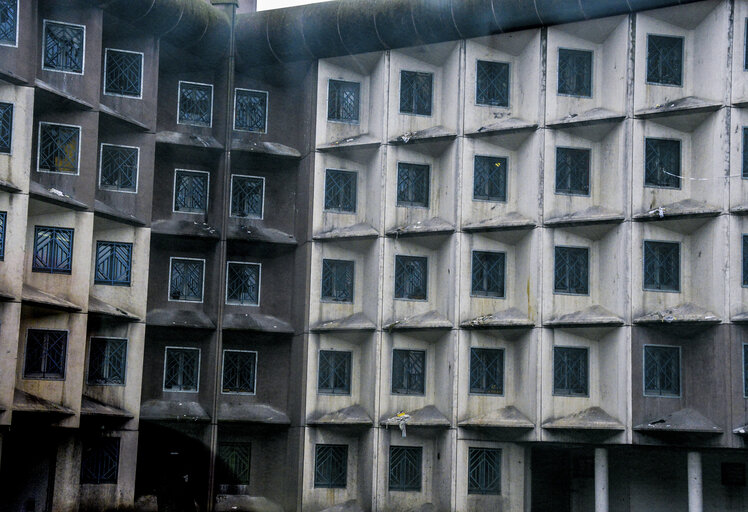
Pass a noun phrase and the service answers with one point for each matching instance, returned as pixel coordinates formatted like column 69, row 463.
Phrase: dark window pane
column 484, row 471
column 181, row 369
column 119, row 168
column 487, row 371
column 662, row 163
column 186, row 280
column 6, row 127
column 337, row 280
column 247, row 196
column 53, row 250
column 243, row 285
column 570, row 372
column 489, row 178
column 661, row 371
column 195, row 104
column 113, row 262
column 124, row 73
column 488, row 274
column 3, row 225
column 331, row 466
column 107, row 361
column 340, row 191
column 661, row 266
column 190, row 191
column 100, row 460
column 664, row 60
column 8, row 21
column 573, row 171
column 46, row 351
column 416, row 91
column 343, row 100
column 574, row 72
column 405, row 468
column 492, row 83
column 58, row 148
column 408, row 372
column 234, row 461
column 571, row 270
column 250, row 110
column 63, row 47
column 411, row 277
column 412, row 185
column 334, row 372
column 239, row 369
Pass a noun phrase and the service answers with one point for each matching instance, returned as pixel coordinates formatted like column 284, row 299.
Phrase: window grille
column 113, row 263
column 46, row 352
column 64, row 47
column 416, row 90
column 8, row 22
column 575, row 72
column 243, row 284
column 487, row 371
column 58, row 148
column 340, row 191
column 662, row 163
column 337, row 280
column 53, row 250
column 412, row 185
column 123, row 73
column 488, row 274
column 492, row 83
column 745, row 152
column 570, row 371
column 186, row 279
column 661, row 266
column 745, row 369
column 3, row 224
column 250, row 110
column 408, row 372
column 343, row 100
column 745, row 257
column 100, row 460
column 661, row 370
column 195, row 104
column 181, row 369
column 6, row 127
column 190, row 191
column 235, row 463
column 484, row 471
column 573, row 171
column 571, row 270
column 405, row 468
column 247, row 196
column 331, row 466
column 334, row 372
column 411, row 277
column 489, row 178
column 239, row 371
column 107, row 361
column 664, row 60
column 119, row 168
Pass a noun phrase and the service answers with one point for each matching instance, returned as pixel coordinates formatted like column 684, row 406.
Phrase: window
column 195, row 104
column 334, row 372
column 6, row 126
column 745, row 370
column 3, row 224
column 99, row 460
column 745, row 256
column 247, row 196
column 489, row 178
column 58, row 148
column 661, row 370
column 123, row 73
column 416, row 90
column 405, row 468
column 235, row 463
column 107, row 361
column 484, row 471
column 573, row 171
column 408, row 372
column 9, row 22
column 113, row 263
column 411, row 277
column 243, row 283
column 343, row 100
column 337, row 280
column 64, row 45
column 575, row 72
column 239, row 371
column 119, row 168
column 492, row 83
column 662, row 163
column 340, row 191
column 331, row 466
column 46, row 351
column 661, row 266
column 191, row 191
column 186, row 279
column 571, row 270
column 412, row 185
column 181, row 369
column 488, row 274
column 487, row 371
column 250, row 110
column 745, row 152
column 664, row 60
column 53, row 250
column 570, row 371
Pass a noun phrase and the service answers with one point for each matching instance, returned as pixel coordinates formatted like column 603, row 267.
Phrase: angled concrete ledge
column 682, row 421
column 352, row 416
column 681, row 106
column 362, row 141
column 95, row 409
column 354, row 322
column 740, row 318
column 101, row 209
column 109, row 111
column 588, row 118
column 591, row 215
column 504, row 127
column 255, row 232
column 99, row 307
column 37, row 297
column 179, row 318
column 27, row 403
column 428, row 416
column 253, row 321
column 433, row 134
column 252, row 413
column 54, row 196
column 193, row 229
column 506, row 417
column 264, row 148
column 11, row 77
column 188, row 139
column 7, row 186
column 685, row 208
column 360, row 231
column 508, row 318
column 432, row 226
column 6, row 296
column 740, row 210
column 593, row 418
column 686, row 313
column 510, row 221
column 741, row 430
column 173, row 410
column 57, row 96
column 429, row 320
column 593, row 316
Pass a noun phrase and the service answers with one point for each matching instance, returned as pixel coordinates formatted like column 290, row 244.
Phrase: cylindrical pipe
column 601, row 480
column 695, row 486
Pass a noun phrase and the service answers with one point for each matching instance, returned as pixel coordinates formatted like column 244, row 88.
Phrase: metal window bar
column 337, row 280
column 235, row 463
column 250, row 111
column 186, row 280
column 416, row 91
column 575, row 72
column 571, row 270
column 107, row 361
column 412, row 185
column 662, row 163
column 405, row 468
column 573, row 171
column 181, row 369
column 334, row 372
column 119, row 168
column 58, row 148
column 63, row 47
column 745, row 258
column 661, row 266
column 661, row 371
column 239, row 370
column 243, row 285
column 411, row 277
column 340, row 191
column 570, row 371
column 6, row 127
column 8, row 22
column 3, row 224
column 489, row 178
column 190, row 192
column 492, row 83
column 53, row 250
column 745, row 152
column 408, row 372
column 195, row 104
column 100, row 460
column 343, row 101
column 113, row 263
column 664, row 60
column 331, row 466
column 247, row 195
column 488, row 274
column 124, row 73
column 484, row 471
column 487, row 371
column 46, row 352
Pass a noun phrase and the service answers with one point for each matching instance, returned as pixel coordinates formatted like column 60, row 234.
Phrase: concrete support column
column 601, row 480
column 695, row 494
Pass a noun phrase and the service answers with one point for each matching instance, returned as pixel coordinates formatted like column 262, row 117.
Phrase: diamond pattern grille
column 574, row 72
column 107, row 361
column 570, row 371
column 113, row 263
column 664, row 60
column 340, row 191
column 58, row 148
column 487, row 371
column 571, row 270
column 662, row 163
column 405, row 468
column 416, row 90
column 100, row 460
column 190, row 192
column 124, row 73
column 8, row 21
column 331, row 466
column 411, row 277
column 186, row 280
column 6, row 127
column 3, row 223
column 243, row 285
column 488, row 274
column 343, row 99
column 337, row 280
column 412, row 185
column 235, row 459
column 46, row 351
column 573, row 171
column 247, row 195
column 181, row 369
column 239, row 370
column 334, row 372
column 484, row 471
column 489, row 178
column 661, row 266
column 745, row 257
column 661, row 370
column 250, row 111
column 63, row 47
column 119, row 168
column 492, row 83
column 53, row 250
column 408, row 372
column 195, row 104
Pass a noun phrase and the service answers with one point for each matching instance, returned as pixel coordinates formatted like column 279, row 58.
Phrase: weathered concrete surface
column 353, row 415
column 593, row 418
column 361, row 230
column 257, row 322
column 686, row 420
column 238, row 503
column 188, row 139
column 428, row 416
column 33, row 295
column 593, row 316
column 359, row 141
column 590, row 215
column 179, row 318
column 511, row 317
column 104, row 210
column 348, row 506
column 99, row 307
column 94, row 408
column 172, row 410
column 258, row 232
column 506, row 417
column 687, row 105
column 55, row 196
column 684, row 208
column 429, row 320
column 680, row 314
column 432, row 226
column 511, row 220
column 266, row 148
column 354, row 322
column 252, row 413
column 26, row 402
column 505, row 126
column 180, row 227
column 587, row 118
column 432, row 134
